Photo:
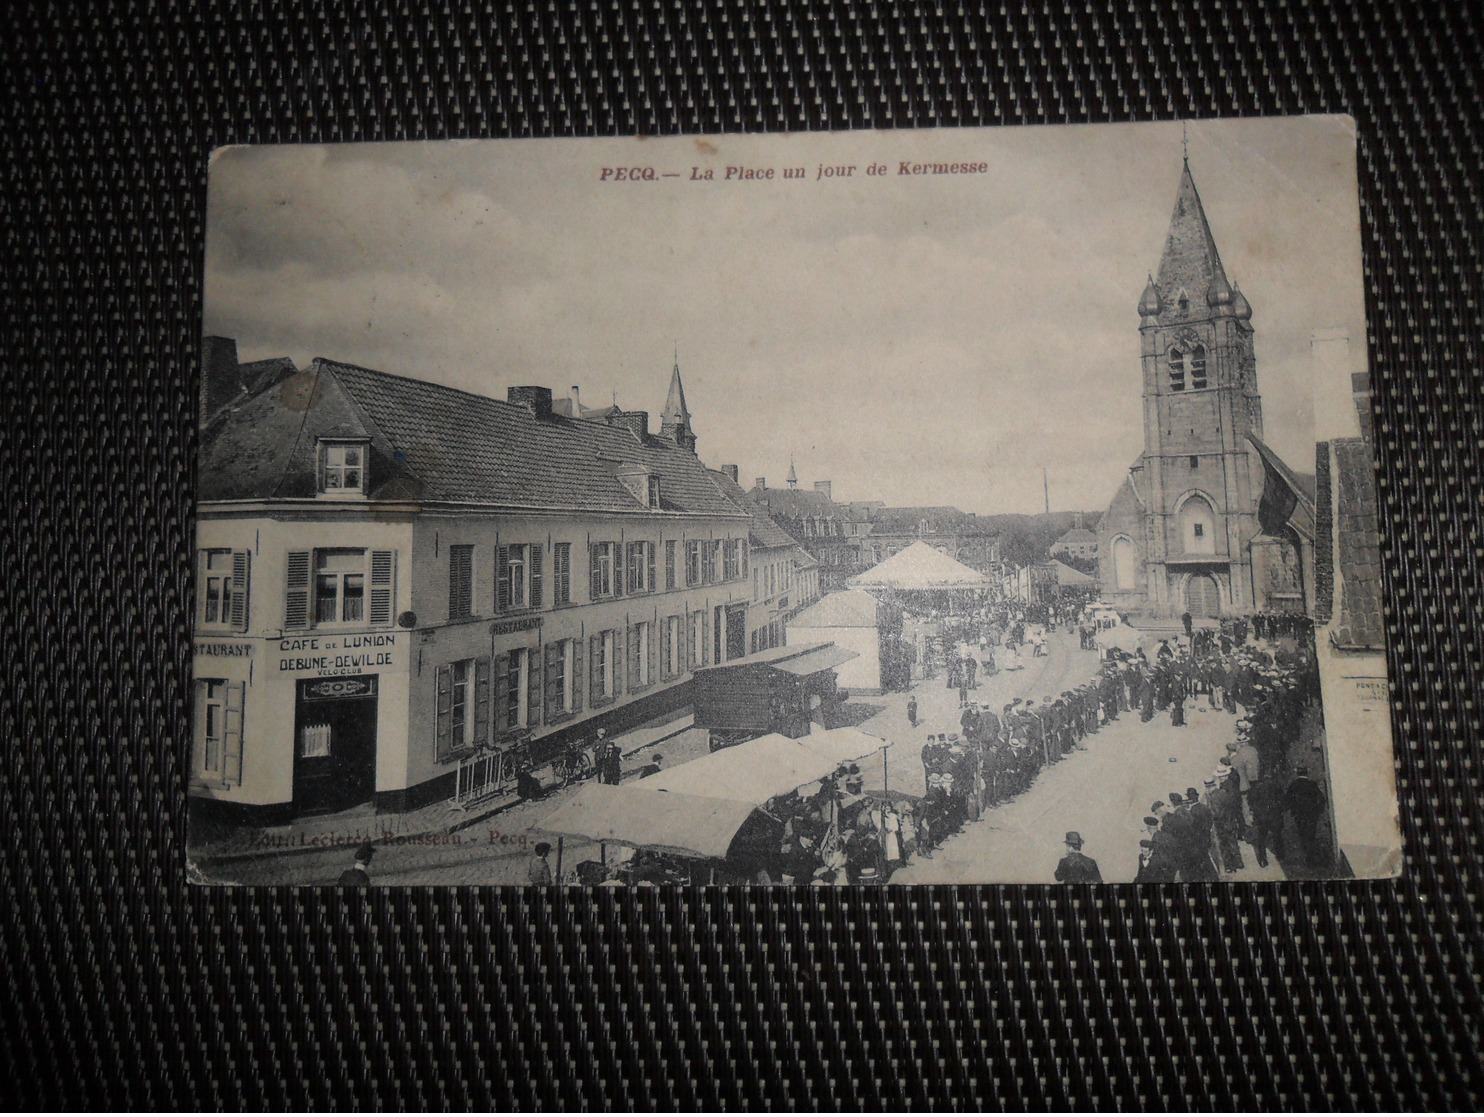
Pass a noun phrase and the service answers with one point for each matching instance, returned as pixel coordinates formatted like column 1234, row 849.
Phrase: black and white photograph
column 953, row 506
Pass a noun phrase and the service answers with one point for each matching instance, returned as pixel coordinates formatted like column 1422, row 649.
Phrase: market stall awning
column 752, row 772
column 821, row 659
column 921, row 567
column 844, row 745
column 686, row 825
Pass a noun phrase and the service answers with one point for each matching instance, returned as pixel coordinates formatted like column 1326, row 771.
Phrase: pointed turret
column 1240, row 306
column 793, row 477
column 675, row 420
column 1191, row 277
column 1149, row 306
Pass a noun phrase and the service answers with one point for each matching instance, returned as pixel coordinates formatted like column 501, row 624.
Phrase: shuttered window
column 332, row 587
column 601, row 565
column 463, row 706
column 220, row 707
column 561, row 574
column 460, row 581
column 669, row 564
column 562, row 680
column 222, row 590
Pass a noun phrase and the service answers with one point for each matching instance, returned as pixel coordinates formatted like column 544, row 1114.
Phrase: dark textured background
column 123, row 987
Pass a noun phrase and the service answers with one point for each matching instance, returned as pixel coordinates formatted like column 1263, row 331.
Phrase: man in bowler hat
column 358, row 877
column 1076, row 867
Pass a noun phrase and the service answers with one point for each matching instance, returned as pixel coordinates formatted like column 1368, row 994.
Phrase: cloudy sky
column 915, row 339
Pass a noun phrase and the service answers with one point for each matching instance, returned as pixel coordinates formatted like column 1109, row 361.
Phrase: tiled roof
column 1077, row 535
column 802, row 504
column 940, row 518
column 435, row 443
column 1190, row 262
column 1361, row 624
column 764, row 531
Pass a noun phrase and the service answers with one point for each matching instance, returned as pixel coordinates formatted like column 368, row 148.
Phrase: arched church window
column 1123, row 562
column 1197, row 527
column 1198, row 367
column 1177, row 371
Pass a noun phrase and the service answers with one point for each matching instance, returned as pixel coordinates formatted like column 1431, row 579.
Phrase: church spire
column 1191, row 278
column 675, row 420
column 793, row 476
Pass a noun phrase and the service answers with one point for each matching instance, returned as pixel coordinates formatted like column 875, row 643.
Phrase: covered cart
column 780, row 690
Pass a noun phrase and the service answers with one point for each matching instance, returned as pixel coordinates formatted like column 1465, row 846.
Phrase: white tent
column 757, row 770
column 921, row 567
column 687, row 825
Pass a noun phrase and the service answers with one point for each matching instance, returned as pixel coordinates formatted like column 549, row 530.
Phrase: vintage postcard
column 954, row 506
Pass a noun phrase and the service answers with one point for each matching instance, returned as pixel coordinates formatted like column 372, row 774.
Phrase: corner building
column 394, row 575
column 1183, row 531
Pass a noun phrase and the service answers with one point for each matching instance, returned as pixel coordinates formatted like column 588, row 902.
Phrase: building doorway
column 1203, row 596
column 334, row 743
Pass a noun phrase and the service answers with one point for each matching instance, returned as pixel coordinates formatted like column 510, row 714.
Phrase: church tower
column 675, row 420
column 1198, row 480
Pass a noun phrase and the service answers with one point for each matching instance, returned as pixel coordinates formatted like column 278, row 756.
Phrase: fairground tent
column 757, row 770
column 686, row 825
column 920, row 567
column 1122, row 637
column 1071, row 576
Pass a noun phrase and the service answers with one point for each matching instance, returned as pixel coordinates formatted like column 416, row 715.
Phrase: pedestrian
column 912, row 710
column 1201, row 821
column 656, row 762
column 359, row 876
column 610, row 759
column 1076, row 867
column 1177, row 709
column 1188, row 622
column 539, row 869
column 1226, row 810
column 1265, row 799
column 1305, row 804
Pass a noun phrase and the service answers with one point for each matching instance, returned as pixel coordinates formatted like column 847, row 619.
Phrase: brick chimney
column 824, row 487
column 759, row 482
column 635, row 422
column 730, row 471
column 533, row 398
column 221, row 377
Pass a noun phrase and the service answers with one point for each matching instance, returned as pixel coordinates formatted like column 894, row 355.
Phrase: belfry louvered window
column 1177, row 370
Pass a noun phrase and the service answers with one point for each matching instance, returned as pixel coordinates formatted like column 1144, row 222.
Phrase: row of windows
column 773, row 578
column 491, row 697
column 339, row 586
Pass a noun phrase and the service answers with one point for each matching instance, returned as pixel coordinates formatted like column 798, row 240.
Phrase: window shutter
column 592, row 667
column 576, row 676
column 706, row 635
column 232, row 734
column 742, row 550
column 319, row 467
column 383, row 588
column 538, row 553
column 592, row 565
column 655, row 667
column 533, row 688
column 553, row 691
column 296, row 594
column 502, row 579
column 502, row 693
column 445, row 709
column 649, row 558
column 482, row 702
column 237, row 611
column 634, row 634
column 618, row 569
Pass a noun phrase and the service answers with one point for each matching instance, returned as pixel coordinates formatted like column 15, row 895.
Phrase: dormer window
column 654, row 491
column 342, row 468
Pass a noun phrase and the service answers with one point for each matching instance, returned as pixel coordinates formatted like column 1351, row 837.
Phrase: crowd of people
column 1259, row 793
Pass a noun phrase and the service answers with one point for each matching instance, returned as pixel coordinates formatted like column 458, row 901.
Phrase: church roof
column 675, row 409
column 1190, row 263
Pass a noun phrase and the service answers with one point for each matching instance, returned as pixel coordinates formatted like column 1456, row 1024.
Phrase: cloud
column 916, row 340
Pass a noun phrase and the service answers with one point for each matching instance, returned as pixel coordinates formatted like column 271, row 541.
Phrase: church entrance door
column 1202, row 597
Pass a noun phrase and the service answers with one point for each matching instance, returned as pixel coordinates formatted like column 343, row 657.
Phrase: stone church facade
column 1185, row 530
